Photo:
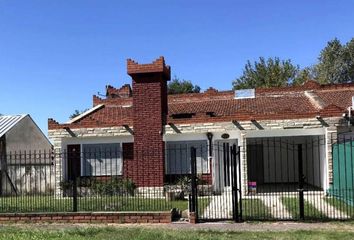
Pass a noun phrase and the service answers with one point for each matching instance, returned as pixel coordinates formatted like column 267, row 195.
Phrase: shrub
column 66, row 185
column 184, row 183
column 107, row 187
column 114, row 186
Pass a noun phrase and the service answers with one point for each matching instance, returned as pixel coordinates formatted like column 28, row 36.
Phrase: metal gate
column 223, row 200
column 287, row 179
column 282, row 178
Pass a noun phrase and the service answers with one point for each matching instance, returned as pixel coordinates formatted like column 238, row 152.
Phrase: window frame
column 189, row 144
column 82, row 164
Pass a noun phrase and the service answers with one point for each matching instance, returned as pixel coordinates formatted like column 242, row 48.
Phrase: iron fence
column 92, row 180
column 278, row 178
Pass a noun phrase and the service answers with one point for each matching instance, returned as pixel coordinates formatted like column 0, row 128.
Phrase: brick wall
column 149, row 117
column 129, row 170
column 124, row 92
column 99, row 217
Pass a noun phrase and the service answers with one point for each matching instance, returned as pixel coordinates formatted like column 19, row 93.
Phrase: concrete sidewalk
column 258, row 226
column 220, row 226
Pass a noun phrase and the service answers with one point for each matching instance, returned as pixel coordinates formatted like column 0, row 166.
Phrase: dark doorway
column 74, row 161
column 227, row 163
column 255, row 163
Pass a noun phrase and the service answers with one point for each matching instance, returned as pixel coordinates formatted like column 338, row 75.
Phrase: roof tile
column 271, row 103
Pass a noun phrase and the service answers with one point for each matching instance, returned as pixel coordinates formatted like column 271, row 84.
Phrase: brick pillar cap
column 157, row 66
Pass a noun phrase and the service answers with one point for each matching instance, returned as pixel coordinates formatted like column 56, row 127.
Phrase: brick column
column 331, row 138
column 243, row 163
column 150, row 110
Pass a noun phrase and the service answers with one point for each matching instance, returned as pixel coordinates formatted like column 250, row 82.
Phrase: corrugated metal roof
column 9, row 121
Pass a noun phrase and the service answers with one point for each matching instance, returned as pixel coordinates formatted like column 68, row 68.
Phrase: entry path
column 220, row 206
column 322, row 205
column 276, row 207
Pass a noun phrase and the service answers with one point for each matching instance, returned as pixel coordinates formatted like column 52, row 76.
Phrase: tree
column 335, row 65
column 336, row 62
column 177, row 86
column 272, row 72
column 77, row 113
column 308, row 73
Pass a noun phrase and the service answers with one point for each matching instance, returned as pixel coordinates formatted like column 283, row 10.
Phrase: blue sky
column 54, row 55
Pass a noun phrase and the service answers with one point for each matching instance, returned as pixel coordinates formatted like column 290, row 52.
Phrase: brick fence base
column 192, row 218
column 88, row 217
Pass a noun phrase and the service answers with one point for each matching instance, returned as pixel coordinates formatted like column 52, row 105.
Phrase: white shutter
column 178, row 157
column 102, row 159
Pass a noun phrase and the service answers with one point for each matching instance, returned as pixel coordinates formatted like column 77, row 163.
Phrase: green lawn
column 203, row 202
column 52, row 204
column 292, row 205
column 11, row 233
column 341, row 206
column 254, row 209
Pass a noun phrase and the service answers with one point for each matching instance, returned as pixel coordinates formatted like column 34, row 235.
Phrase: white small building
column 25, row 153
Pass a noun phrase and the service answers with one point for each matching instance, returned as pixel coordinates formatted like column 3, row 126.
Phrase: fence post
column 234, row 182
column 301, row 183
column 74, row 179
column 74, row 194
column 193, row 199
column 2, row 158
column 238, row 158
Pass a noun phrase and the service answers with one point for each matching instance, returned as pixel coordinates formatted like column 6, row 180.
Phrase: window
column 101, row 159
column 245, row 93
column 178, row 159
column 182, row 115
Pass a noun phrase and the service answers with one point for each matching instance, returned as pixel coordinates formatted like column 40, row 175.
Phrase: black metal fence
column 91, row 180
column 282, row 178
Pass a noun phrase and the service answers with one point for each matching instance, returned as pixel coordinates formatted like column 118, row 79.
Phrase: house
column 152, row 132
column 24, row 151
column 21, row 133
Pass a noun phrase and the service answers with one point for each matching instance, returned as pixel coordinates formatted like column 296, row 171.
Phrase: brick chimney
column 150, row 111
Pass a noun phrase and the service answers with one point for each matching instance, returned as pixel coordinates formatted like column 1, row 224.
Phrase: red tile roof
column 215, row 106
column 341, row 98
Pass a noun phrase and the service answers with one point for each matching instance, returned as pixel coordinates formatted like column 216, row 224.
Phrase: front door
column 222, row 164
column 73, row 161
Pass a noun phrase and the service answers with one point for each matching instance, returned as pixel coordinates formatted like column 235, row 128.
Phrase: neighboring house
column 145, row 118
column 24, row 150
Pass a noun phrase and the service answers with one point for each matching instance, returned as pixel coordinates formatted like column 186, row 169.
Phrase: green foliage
column 185, row 184
column 254, row 209
column 304, row 75
column 110, row 187
column 336, row 62
column 77, row 113
column 271, row 72
column 66, row 185
column 292, row 205
column 62, row 232
column 341, row 205
column 335, row 65
column 177, row 86
column 88, row 203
